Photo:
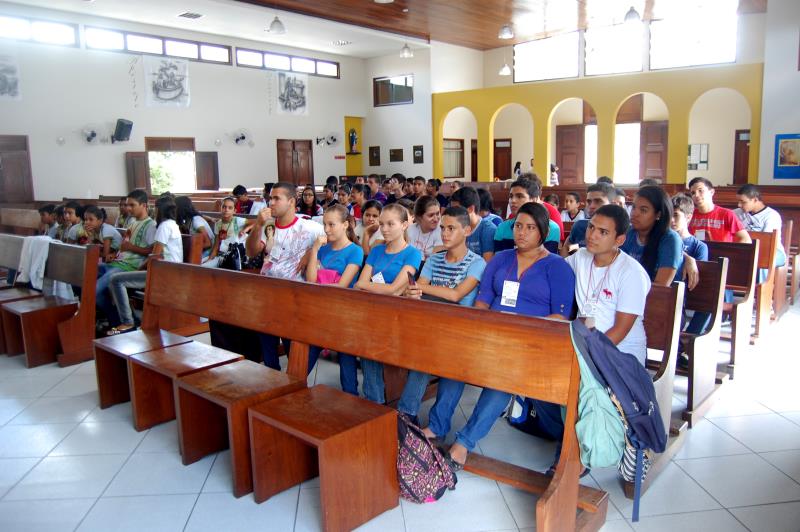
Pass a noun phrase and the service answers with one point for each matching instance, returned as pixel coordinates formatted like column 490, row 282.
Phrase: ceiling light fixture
column 384, row 1
column 505, row 70
column 277, row 26
column 506, row 32
column 632, row 15
column 406, row 52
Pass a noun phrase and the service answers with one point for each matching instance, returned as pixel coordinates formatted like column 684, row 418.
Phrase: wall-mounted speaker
column 122, row 132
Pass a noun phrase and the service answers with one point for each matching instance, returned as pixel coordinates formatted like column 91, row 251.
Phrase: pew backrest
column 708, row 295
column 72, row 264
column 767, row 248
column 743, row 263
column 10, row 250
column 192, row 248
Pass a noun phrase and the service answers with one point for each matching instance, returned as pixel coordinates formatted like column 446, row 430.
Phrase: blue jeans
column 491, row 404
column 413, row 391
column 269, row 350
column 348, row 373
column 373, row 381
column 118, row 285
column 104, row 300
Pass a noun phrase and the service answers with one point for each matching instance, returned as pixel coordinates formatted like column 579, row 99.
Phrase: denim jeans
column 413, row 391
column 269, row 350
column 491, row 405
column 348, row 373
column 103, row 297
column 118, row 285
column 373, row 381
column 236, row 339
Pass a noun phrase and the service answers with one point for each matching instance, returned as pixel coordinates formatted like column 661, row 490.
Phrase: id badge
column 510, row 293
column 378, row 278
column 700, row 234
column 588, row 315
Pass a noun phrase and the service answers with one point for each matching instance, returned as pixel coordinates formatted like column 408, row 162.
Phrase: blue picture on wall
column 787, row 156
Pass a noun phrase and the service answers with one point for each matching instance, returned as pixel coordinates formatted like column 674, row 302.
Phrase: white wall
column 780, row 112
column 460, row 123
column 492, row 63
column 514, row 122
column 401, row 126
column 455, row 68
column 715, row 117
column 654, row 108
column 63, row 89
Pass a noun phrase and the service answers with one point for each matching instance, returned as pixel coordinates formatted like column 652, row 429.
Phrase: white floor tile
column 768, row 432
column 159, row 473
column 165, row 513
column 100, row 438
column 786, row 461
column 120, row 412
column 61, row 477
column 86, row 368
column 162, row 438
column 706, row 439
column 713, row 521
column 55, row 410
column 611, row 526
column 12, row 406
column 80, row 384
column 43, row 516
column 220, row 479
column 735, row 402
column 794, row 417
column 309, row 516
column 741, row 480
column 27, row 386
column 216, row 512
column 20, row 441
column 770, row 518
column 476, row 504
column 673, row 491
column 514, row 446
column 12, row 470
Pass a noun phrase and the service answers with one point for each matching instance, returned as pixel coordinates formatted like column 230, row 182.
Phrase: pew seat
column 211, row 408
column 111, row 360
column 28, row 327
column 349, row 442
column 9, row 295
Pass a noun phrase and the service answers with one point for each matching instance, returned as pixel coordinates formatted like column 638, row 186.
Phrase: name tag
column 378, row 278
column 510, row 293
column 700, row 234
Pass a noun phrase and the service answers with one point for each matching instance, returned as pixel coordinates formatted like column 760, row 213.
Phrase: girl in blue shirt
column 527, row 280
column 386, row 272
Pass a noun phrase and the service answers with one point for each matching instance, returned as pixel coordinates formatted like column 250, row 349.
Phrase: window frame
column 462, row 159
column 76, row 28
column 375, row 102
column 290, row 57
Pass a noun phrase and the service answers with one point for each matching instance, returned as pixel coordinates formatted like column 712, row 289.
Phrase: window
column 303, row 65
column 453, row 157
column 248, row 58
column 396, row 90
column 104, row 39
column 147, row 45
column 188, row 50
column 123, row 41
column 627, row 140
column 215, row 54
column 289, row 63
column 277, row 62
column 701, row 34
column 327, row 69
column 171, row 161
column 550, row 58
column 38, row 30
column 614, row 49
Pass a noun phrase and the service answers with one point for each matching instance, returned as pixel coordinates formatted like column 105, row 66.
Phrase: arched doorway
column 573, row 129
column 460, row 145
column 640, row 139
column 512, row 140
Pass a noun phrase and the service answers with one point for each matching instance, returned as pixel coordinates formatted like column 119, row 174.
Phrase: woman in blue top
column 650, row 240
column 527, row 280
column 386, row 272
column 336, row 259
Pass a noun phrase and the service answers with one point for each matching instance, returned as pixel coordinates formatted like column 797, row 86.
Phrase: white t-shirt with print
column 169, row 235
column 360, row 229
column 424, row 242
column 290, row 244
column 602, row 292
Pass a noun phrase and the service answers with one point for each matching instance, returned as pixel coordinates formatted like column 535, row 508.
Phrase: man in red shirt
column 711, row 222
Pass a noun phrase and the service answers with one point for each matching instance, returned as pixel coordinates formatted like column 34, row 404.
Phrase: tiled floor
column 66, row 465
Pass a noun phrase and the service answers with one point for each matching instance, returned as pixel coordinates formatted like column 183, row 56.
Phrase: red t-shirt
column 555, row 216
column 719, row 225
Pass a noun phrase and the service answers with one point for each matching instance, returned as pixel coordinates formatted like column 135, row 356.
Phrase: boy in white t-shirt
column 610, row 286
column 287, row 259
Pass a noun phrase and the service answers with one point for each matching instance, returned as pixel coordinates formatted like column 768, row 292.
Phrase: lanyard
column 592, row 297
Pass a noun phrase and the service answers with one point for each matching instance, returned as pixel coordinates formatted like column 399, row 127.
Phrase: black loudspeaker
column 123, row 130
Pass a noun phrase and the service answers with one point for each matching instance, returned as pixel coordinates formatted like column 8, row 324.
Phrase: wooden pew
column 742, row 272
column 702, row 349
column 662, row 324
column 517, row 354
column 51, row 328
column 19, row 221
column 780, row 298
column 10, row 251
column 766, row 261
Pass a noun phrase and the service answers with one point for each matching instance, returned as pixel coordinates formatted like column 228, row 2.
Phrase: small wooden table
column 111, row 360
column 7, row 295
column 350, row 442
column 28, row 326
column 151, row 376
column 211, row 408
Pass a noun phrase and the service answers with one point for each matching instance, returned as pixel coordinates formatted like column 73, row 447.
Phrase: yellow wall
column 678, row 88
column 354, row 164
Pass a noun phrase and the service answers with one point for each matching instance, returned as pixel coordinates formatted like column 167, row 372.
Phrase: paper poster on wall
column 166, row 82
column 787, row 156
column 9, row 78
column 292, row 94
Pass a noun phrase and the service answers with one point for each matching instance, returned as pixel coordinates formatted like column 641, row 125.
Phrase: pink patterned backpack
column 422, row 472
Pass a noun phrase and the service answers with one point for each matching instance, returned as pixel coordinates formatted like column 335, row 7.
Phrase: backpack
column 422, row 472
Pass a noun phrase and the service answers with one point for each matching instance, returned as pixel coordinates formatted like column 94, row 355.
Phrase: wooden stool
column 211, row 408
column 30, row 326
column 7, row 295
column 151, row 376
column 350, row 442
column 111, row 360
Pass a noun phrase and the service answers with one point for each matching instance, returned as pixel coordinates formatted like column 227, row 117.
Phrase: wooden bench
column 780, row 296
column 10, row 251
column 516, row 354
column 702, row 348
column 768, row 245
column 662, row 324
column 19, row 221
column 741, row 279
column 51, row 328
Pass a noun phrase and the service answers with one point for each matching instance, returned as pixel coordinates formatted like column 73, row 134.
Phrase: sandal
column 120, row 330
column 454, row 466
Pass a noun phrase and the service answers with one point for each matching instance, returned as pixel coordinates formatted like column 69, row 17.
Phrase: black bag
column 234, row 258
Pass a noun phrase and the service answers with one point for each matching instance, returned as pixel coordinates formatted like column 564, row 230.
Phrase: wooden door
column 741, row 156
column 137, row 166
column 295, row 161
column 569, row 154
column 473, row 160
column 653, row 150
column 16, row 179
column 286, row 161
column 502, row 158
column 207, row 170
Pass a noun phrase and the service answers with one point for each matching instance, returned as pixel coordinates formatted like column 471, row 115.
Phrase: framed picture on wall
column 787, row 156
column 418, row 159
column 374, row 155
column 396, row 155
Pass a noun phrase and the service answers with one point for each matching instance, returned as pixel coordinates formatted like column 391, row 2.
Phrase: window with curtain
column 453, row 157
